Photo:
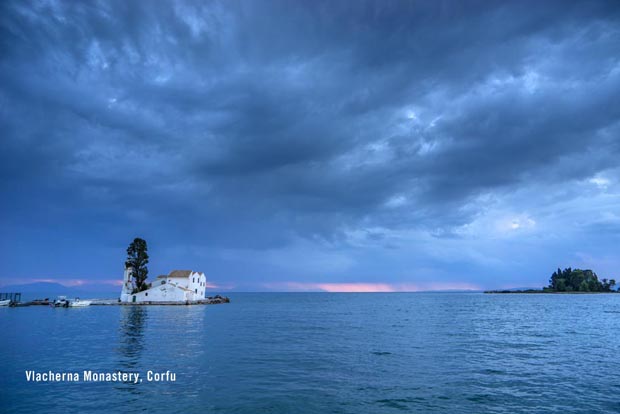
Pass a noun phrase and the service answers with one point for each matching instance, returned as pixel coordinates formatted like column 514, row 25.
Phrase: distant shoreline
column 535, row 291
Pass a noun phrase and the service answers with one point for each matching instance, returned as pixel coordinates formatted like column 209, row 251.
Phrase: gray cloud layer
column 322, row 141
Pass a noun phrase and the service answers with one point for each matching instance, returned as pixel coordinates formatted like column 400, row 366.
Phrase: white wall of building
column 162, row 293
column 173, row 289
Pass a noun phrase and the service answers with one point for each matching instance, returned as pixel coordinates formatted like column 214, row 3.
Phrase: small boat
column 77, row 303
column 6, row 302
column 60, row 302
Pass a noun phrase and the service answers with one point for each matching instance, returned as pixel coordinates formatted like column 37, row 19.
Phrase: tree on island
column 137, row 259
column 577, row 280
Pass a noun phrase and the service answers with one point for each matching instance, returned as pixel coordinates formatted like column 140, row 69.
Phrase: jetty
column 211, row 300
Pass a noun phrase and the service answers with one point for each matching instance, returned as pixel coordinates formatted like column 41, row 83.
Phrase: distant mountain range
column 51, row 289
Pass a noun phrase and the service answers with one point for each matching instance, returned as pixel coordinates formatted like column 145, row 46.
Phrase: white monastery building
column 178, row 286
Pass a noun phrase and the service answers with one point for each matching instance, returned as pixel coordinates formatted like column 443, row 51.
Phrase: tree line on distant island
column 571, row 281
column 577, row 280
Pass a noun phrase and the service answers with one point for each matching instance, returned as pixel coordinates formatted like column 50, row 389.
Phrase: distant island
column 571, row 281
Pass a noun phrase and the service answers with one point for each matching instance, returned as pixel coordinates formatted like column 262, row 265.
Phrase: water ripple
column 327, row 353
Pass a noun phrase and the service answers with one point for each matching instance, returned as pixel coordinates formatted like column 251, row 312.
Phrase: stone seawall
column 209, row 301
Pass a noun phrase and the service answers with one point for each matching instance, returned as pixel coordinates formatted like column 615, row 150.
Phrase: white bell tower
column 127, row 285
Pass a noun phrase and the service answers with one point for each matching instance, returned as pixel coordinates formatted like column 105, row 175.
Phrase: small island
column 178, row 287
column 571, row 281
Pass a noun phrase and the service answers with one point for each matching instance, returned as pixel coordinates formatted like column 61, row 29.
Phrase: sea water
column 320, row 353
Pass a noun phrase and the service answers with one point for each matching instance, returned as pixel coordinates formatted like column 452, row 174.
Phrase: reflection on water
column 131, row 341
column 131, row 335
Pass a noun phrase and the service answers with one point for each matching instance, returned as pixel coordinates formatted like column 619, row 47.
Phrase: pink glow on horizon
column 355, row 287
column 364, row 287
column 69, row 282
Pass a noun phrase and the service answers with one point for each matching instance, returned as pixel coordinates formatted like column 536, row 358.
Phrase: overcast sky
column 309, row 145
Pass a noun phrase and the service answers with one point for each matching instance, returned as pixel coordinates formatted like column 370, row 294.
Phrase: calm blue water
column 324, row 353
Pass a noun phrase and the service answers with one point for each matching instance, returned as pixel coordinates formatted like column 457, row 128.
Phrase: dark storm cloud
column 257, row 125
